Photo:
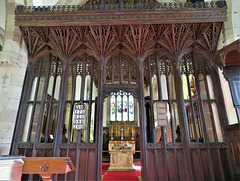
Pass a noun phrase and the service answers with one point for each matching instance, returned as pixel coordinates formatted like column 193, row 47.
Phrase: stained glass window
column 122, row 107
column 125, row 108
column 113, row 103
column 119, row 108
column 131, row 108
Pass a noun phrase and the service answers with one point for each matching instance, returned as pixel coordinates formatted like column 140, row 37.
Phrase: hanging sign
column 79, row 116
column 162, row 114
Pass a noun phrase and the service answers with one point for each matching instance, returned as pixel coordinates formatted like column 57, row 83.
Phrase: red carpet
column 105, row 168
column 121, row 175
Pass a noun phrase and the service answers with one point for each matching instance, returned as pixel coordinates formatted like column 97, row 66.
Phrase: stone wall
column 231, row 28
column 13, row 63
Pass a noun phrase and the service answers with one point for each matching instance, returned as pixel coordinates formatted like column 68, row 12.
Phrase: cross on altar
column 4, row 78
column 121, row 133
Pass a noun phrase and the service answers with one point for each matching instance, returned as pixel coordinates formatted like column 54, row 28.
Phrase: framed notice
column 162, row 114
column 79, row 116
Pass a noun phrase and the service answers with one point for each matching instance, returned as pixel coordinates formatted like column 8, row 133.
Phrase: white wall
column 44, row 2
column 2, row 14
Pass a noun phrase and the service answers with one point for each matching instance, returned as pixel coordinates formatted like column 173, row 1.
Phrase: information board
column 162, row 114
column 79, row 116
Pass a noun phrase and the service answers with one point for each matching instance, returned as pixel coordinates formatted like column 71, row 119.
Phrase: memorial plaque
column 79, row 116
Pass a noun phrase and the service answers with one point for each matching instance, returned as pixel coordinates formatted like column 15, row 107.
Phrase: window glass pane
column 172, row 86
column 193, row 85
column 125, row 108
column 164, row 87
column 137, row 116
column 92, row 123
column 106, row 112
column 34, row 123
column 210, row 87
column 175, row 120
column 208, row 122
column 27, row 123
column 78, row 87
column 217, row 122
column 34, row 86
column 57, row 88
column 50, row 86
column 131, row 108
column 202, row 86
column 119, row 108
column 52, row 122
column 94, row 91
column 40, row 88
column 185, row 87
column 66, row 123
column 44, row 123
column 146, row 90
column 113, row 105
column 69, row 88
column 155, row 87
column 87, row 88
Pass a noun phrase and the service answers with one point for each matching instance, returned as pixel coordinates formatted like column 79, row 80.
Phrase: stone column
column 13, row 63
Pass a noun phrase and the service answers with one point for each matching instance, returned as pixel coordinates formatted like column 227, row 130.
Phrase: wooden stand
column 47, row 167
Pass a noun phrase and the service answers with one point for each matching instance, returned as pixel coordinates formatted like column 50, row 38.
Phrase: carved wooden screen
column 198, row 92
column 121, row 69
column 82, row 86
column 43, row 101
column 159, row 60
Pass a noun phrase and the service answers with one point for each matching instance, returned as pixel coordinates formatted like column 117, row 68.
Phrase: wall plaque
column 79, row 116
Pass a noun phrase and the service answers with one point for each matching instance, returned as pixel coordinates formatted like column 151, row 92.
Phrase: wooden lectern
column 47, row 167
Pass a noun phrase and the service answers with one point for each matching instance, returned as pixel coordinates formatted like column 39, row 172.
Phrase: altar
column 121, row 145
column 121, row 155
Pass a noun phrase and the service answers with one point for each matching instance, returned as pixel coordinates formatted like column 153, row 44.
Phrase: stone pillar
column 13, row 63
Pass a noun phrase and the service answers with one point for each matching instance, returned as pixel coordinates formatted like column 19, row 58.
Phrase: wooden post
column 196, row 74
column 100, row 122
column 61, row 110
column 163, row 132
column 42, row 106
column 18, row 130
column 142, row 116
column 183, row 119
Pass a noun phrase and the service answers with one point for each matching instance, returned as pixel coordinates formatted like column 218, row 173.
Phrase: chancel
column 125, row 86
